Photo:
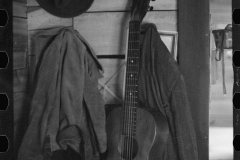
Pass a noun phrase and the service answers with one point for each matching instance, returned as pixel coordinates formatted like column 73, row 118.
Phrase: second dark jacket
column 161, row 86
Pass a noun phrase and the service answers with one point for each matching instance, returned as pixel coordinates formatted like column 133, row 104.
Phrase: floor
column 220, row 143
column 221, row 116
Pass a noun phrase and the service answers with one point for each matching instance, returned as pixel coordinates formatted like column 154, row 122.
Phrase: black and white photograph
column 119, row 80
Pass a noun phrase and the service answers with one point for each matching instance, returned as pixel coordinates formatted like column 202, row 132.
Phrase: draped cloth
column 67, row 109
column 162, row 87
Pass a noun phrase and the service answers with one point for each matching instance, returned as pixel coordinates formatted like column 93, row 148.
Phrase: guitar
column 135, row 132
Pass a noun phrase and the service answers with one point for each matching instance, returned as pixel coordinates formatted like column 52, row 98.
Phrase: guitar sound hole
column 129, row 148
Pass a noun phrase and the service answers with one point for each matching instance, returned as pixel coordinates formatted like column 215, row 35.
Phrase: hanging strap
column 219, row 40
column 223, row 72
column 228, row 28
column 218, row 36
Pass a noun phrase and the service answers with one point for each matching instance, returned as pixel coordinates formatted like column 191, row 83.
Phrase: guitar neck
column 132, row 66
column 131, row 81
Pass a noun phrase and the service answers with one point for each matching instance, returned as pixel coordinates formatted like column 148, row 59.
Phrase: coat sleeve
column 181, row 124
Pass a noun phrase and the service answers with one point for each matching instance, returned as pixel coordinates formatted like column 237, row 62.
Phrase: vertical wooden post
column 193, row 27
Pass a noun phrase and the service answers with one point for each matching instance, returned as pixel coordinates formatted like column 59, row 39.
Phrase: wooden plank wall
column 20, row 66
column 104, row 26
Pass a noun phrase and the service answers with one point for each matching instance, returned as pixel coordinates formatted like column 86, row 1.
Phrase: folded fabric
column 66, row 98
column 162, row 87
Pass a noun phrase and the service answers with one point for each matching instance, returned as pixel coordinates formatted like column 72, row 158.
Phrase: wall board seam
column 20, row 17
column 34, row 8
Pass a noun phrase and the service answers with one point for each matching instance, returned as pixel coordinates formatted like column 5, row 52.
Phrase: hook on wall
column 151, row 7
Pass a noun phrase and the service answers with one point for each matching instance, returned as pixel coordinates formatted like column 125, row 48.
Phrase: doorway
column 220, row 107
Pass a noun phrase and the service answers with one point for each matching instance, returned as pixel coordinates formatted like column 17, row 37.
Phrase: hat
column 65, row 8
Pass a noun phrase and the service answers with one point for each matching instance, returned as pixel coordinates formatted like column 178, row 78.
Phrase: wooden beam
column 31, row 68
column 112, row 80
column 20, row 42
column 21, row 115
column 20, row 79
column 112, row 68
column 19, row 9
column 19, row 60
column 194, row 58
column 21, row 1
column 18, row 105
column 20, row 34
column 122, row 5
column 107, row 98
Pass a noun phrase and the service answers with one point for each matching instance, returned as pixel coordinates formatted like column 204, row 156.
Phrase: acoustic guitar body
column 146, row 143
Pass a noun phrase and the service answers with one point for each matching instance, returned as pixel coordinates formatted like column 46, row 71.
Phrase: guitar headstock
column 139, row 9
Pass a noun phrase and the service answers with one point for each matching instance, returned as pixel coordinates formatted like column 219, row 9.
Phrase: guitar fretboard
column 131, row 81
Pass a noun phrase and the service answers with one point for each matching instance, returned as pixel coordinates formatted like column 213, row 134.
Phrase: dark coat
column 67, row 108
column 161, row 86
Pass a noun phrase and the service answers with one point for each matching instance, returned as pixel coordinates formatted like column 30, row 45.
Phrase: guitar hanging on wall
column 133, row 132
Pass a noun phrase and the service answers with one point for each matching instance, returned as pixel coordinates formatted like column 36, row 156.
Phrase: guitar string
column 133, row 95
column 130, row 99
column 129, row 96
column 127, row 118
column 125, row 111
column 133, row 80
column 123, row 126
column 126, row 144
column 132, row 83
column 131, row 91
column 135, row 77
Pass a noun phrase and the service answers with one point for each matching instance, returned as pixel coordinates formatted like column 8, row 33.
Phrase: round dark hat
column 65, row 8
